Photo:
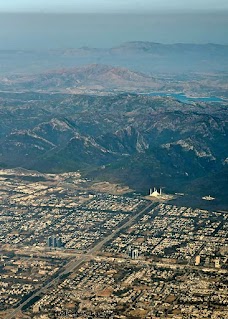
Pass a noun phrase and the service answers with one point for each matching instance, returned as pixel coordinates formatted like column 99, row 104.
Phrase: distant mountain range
column 147, row 57
column 135, row 139
column 100, row 78
column 95, row 77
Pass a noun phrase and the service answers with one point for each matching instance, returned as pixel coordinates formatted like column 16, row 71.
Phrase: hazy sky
column 111, row 5
column 112, row 22
column 47, row 31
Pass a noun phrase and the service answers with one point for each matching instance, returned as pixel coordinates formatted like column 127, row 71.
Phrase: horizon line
column 117, row 46
column 133, row 12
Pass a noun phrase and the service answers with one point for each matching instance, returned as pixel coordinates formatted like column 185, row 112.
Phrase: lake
column 184, row 98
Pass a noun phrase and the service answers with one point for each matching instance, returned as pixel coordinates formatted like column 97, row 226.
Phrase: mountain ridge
column 142, row 56
column 92, row 75
column 134, row 139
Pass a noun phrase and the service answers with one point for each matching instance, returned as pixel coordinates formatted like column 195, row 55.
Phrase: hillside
column 94, row 76
column 138, row 140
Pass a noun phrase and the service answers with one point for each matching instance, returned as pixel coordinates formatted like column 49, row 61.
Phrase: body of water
column 184, row 98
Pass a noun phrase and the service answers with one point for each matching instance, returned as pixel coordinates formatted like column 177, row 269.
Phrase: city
column 69, row 251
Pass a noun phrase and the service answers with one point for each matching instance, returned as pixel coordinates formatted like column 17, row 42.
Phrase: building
column 134, row 253
column 197, row 261
column 207, row 261
column 54, row 242
column 49, row 242
column 209, row 197
column 36, row 308
column 59, row 242
column 155, row 192
column 217, row 263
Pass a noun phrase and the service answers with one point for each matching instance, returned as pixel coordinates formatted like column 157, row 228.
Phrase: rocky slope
column 139, row 140
column 94, row 76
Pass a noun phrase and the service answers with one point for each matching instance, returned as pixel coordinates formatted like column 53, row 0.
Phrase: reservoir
column 184, row 98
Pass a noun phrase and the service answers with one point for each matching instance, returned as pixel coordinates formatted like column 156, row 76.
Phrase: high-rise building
column 54, row 241
column 134, row 253
column 49, row 242
column 59, row 242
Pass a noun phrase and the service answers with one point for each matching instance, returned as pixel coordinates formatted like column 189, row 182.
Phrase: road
column 76, row 263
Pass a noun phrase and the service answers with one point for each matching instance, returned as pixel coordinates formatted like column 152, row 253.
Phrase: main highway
column 73, row 264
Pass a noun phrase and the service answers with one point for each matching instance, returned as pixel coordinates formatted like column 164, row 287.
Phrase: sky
column 52, row 31
column 78, row 6
column 47, row 24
